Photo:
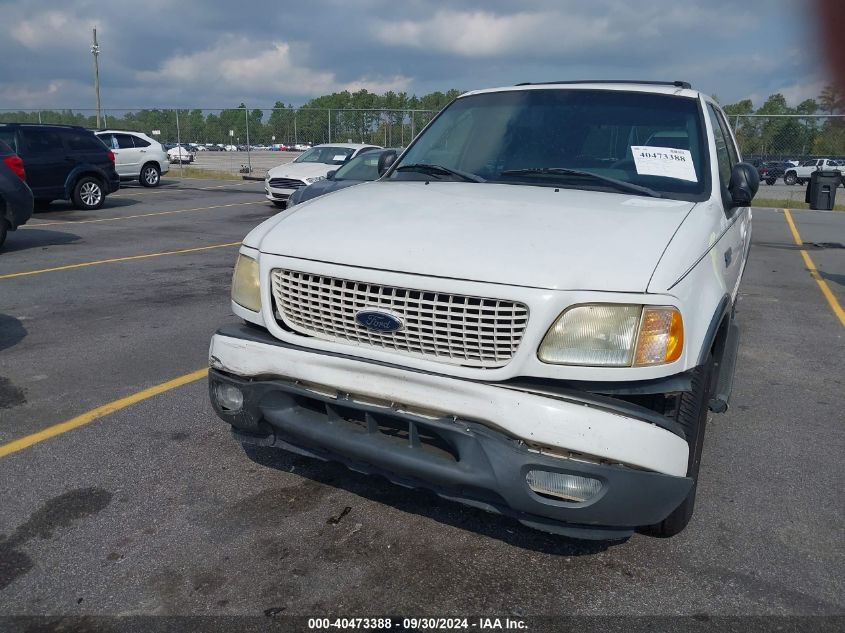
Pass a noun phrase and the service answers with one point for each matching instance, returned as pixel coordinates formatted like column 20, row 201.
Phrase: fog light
column 563, row 486
column 229, row 397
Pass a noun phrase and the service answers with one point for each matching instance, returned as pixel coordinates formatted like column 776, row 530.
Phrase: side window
column 722, row 156
column 139, row 142
column 726, row 131
column 108, row 140
column 42, row 141
column 124, row 141
column 82, row 141
column 8, row 136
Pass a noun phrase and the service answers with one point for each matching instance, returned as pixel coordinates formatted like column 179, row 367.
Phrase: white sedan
column 180, row 154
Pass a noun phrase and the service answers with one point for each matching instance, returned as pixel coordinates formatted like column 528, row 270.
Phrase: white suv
column 530, row 312
column 136, row 156
column 309, row 167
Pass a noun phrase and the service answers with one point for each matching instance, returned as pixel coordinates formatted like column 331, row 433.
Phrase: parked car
column 302, row 147
column 362, row 168
column 180, row 154
column 524, row 316
column 137, row 156
column 308, row 168
column 231, row 148
column 772, row 170
column 16, row 201
column 214, row 148
column 801, row 174
column 64, row 162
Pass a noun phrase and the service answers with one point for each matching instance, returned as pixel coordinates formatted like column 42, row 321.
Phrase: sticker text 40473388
column 664, row 161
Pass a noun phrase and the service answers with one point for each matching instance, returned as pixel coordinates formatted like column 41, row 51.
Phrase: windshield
column 364, row 167
column 550, row 137
column 328, row 155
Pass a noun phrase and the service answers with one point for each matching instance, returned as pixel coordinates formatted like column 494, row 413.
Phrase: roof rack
column 66, row 125
column 677, row 84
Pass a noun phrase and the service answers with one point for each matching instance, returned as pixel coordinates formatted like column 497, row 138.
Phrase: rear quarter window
column 82, row 141
column 7, row 136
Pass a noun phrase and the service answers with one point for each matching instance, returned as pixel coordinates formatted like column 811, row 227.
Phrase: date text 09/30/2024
column 430, row 624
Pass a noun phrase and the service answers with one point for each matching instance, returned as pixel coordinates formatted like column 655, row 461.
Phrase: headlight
column 610, row 335
column 315, row 179
column 245, row 285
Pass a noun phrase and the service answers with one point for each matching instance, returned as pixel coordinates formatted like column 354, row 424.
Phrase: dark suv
column 63, row 162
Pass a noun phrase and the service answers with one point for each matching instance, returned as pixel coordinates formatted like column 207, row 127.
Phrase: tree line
column 388, row 119
column 392, row 118
column 805, row 133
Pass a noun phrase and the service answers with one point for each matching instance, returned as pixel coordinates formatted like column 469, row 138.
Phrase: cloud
column 485, row 34
column 53, row 29
column 562, row 31
column 237, row 65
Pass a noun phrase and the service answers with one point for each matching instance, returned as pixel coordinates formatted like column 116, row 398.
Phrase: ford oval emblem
column 378, row 321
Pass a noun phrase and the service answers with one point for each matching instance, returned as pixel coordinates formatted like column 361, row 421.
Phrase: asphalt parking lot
column 153, row 509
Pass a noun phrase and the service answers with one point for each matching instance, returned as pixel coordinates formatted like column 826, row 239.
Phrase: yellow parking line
column 116, row 259
column 141, row 215
column 88, row 417
column 814, row 272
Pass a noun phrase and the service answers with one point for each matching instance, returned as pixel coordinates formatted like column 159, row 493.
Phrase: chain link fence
column 243, row 140
column 767, row 137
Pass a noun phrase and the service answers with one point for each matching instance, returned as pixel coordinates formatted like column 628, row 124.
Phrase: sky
column 211, row 54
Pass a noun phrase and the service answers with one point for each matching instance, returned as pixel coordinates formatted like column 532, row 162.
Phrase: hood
column 322, row 187
column 300, row 170
column 509, row 234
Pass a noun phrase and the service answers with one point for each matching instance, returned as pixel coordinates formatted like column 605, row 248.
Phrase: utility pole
column 95, row 51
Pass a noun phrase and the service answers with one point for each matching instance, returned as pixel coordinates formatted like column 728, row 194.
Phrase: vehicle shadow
column 61, row 206
column 833, row 278
column 425, row 503
column 12, row 331
column 24, row 239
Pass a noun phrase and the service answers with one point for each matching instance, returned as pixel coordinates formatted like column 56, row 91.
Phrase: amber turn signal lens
column 661, row 338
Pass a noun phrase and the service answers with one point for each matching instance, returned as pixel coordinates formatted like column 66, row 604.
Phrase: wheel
column 770, row 181
column 281, row 205
column 150, row 175
column 4, row 231
column 790, row 178
column 692, row 416
column 88, row 194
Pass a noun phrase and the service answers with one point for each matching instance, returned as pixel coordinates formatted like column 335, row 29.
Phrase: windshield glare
column 493, row 135
column 328, row 155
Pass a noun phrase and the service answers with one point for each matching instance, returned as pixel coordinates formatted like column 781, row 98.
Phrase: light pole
column 95, row 51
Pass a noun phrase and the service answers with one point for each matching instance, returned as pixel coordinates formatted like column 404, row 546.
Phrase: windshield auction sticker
column 664, row 161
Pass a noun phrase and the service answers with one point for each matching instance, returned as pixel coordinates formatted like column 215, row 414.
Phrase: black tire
column 692, row 416
column 4, row 231
column 770, row 181
column 88, row 194
column 790, row 178
column 281, row 205
column 150, row 175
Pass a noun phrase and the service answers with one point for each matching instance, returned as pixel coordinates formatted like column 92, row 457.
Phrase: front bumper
column 372, row 418
column 277, row 195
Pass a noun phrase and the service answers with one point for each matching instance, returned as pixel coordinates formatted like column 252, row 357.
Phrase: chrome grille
column 449, row 328
column 286, row 183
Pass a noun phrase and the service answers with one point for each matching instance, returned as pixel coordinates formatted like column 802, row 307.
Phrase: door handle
column 143, row 151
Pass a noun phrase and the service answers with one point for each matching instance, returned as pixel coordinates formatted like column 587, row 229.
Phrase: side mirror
column 743, row 185
column 330, row 175
column 385, row 161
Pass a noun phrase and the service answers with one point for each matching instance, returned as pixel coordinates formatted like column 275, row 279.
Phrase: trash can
column 821, row 192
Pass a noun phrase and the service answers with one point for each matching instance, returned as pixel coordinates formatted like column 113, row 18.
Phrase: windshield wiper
column 427, row 168
column 619, row 184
